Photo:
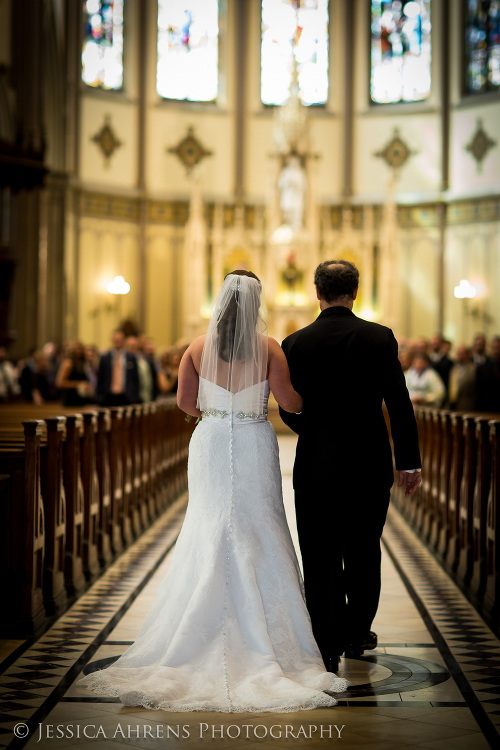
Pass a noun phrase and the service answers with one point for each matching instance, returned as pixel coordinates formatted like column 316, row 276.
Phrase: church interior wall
column 127, row 213
column 120, row 171
column 473, row 253
column 469, row 178
column 106, row 249
column 214, row 126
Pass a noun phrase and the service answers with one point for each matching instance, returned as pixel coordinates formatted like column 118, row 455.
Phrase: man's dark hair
column 336, row 279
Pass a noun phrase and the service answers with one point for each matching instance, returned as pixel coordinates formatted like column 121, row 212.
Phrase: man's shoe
column 367, row 644
column 332, row 664
column 371, row 641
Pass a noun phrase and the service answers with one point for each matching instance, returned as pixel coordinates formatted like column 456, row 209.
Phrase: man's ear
column 355, row 293
column 318, row 296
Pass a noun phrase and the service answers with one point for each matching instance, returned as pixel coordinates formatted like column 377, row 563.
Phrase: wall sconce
column 464, row 289
column 118, row 286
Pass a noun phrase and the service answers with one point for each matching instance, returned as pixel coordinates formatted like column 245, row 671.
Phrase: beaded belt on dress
column 240, row 415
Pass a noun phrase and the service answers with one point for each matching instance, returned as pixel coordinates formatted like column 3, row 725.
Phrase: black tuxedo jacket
column 105, row 372
column 443, row 368
column 344, row 368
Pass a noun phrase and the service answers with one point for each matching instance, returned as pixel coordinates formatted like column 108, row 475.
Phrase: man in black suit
column 344, row 368
column 488, row 380
column 118, row 375
column 440, row 360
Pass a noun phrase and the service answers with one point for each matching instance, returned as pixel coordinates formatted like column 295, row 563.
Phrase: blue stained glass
column 102, row 50
column 400, row 50
column 482, row 46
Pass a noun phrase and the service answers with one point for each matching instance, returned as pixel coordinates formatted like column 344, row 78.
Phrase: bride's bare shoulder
column 195, row 350
column 198, row 342
column 274, row 346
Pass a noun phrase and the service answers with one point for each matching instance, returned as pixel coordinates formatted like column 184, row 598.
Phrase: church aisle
column 433, row 681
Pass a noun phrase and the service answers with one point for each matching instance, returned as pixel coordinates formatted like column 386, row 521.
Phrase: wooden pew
column 90, row 484
column 450, row 555
column 104, row 475
column 466, row 505
column 430, row 530
column 127, row 513
column 492, row 593
column 135, row 509
column 115, row 519
column 440, row 534
column 105, row 525
column 480, row 507
column 22, row 534
column 424, row 497
column 74, row 577
column 53, row 490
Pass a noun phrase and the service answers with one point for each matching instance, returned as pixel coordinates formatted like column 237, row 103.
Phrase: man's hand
column 412, row 481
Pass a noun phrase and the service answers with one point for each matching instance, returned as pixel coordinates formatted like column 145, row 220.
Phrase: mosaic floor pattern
column 433, row 681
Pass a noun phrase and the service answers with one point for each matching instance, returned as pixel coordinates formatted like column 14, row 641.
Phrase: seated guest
column 72, row 379
column 147, row 347
column 439, row 358
column 169, row 372
column 406, row 360
column 424, row 384
column 446, row 347
column 9, row 387
column 118, row 375
column 37, row 385
column 420, row 346
column 488, row 380
column 53, row 359
column 92, row 367
column 145, row 379
column 479, row 349
column 26, row 367
column 462, row 388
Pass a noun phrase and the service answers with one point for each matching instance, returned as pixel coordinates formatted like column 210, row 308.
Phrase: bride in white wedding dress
column 228, row 629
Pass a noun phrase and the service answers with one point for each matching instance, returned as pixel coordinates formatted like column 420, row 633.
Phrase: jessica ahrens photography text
column 203, row 730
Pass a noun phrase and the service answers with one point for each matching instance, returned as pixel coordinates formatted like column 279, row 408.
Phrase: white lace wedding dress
column 229, row 629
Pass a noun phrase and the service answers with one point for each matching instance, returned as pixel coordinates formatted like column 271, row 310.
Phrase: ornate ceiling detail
column 106, row 140
column 396, row 153
column 190, row 151
column 480, row 144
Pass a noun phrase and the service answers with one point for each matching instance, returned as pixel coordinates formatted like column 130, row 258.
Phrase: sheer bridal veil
column 236, row 347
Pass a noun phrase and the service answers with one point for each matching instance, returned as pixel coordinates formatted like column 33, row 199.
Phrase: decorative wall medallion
column 396, row 153
column 190, row 151
column 480, row 144
column 107, row 140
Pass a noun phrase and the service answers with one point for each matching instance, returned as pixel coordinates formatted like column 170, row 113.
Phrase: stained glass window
column 188, row 41
column 400, row 50
column 482, row 46
column 102, row 52
column 294, row 32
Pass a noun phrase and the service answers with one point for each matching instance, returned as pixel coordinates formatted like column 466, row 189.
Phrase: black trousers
column 340, row 548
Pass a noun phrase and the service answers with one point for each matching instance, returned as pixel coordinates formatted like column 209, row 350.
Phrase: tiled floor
column 432, row 683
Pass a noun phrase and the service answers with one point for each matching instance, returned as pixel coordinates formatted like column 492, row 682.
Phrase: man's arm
column 293, row 421
column 401, row 414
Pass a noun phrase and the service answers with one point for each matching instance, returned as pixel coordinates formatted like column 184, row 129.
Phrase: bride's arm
column 189, row 381
column 279, row 379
